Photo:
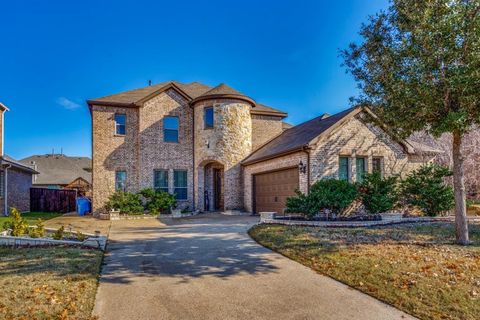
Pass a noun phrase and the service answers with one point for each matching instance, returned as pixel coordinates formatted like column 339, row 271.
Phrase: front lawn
column 48, row 283
column 32, row 217
column 416, row 268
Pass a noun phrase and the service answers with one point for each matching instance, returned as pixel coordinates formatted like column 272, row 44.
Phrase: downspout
column 306, row 149
column 193, row 159
column 5, row 189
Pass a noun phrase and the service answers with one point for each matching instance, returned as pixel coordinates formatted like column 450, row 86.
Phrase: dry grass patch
column 48, row 283
column 416, row 268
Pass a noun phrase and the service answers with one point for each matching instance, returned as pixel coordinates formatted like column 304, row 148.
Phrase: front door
column 217, row 189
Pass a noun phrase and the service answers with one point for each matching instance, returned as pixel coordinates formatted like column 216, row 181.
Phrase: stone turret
column 221, row 147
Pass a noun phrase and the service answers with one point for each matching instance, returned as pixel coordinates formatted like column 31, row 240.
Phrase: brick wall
column 264, row 128
column 287, row 161
column 19, row 184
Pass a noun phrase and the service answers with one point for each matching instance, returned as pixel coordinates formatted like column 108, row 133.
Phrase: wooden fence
column 52, row 200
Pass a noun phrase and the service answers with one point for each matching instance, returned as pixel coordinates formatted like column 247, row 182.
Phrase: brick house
column 219, row 150
column 15, row 178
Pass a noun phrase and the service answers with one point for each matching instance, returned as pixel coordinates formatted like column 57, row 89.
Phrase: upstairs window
column 360, row 168
column 377, row 165
column 120, row 124
column 208, row 117
column 160, row 180
column 121, row 181
column 180, row 184
column 343, row 168
column 170, row 129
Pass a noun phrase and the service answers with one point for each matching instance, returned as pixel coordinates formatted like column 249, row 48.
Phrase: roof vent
column 325, row 116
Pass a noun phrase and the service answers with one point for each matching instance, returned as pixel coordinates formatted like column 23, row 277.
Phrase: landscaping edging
column 92, row 241
column 386, row 220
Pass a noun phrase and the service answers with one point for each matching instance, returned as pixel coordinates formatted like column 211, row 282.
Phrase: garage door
column 272, row 189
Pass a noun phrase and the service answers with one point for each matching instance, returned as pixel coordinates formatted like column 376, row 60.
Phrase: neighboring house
column 218, row 149
column 15, row 178
column 58, row 171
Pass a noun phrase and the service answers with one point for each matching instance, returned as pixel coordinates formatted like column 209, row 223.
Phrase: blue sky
column 57, row 54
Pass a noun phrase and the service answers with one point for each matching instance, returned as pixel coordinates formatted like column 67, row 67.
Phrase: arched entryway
column 213, row 186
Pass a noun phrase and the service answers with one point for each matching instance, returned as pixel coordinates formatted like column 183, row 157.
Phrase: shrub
column 334, row 195
column 378, row 194
column 17, row 224
column 125, row 202
column 58, row 235
column 426, row 189
column 157, row 201
column 38, row 231
column 81, row 236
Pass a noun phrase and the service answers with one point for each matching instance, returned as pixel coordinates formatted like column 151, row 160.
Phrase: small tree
column 418, row 69
column 17, row 223
column 378, row 194
column 426, row 188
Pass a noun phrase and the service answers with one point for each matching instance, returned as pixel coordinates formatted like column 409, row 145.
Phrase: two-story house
column 217, row 149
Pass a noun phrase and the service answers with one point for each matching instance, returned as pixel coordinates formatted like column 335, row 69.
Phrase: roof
column 295, row 138
column 299, row 137
column 193, row 92
column 3, row 107
column 17, row 164
column 60, row 169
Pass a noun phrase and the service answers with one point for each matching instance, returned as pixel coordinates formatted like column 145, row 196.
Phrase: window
column 343, row 168
column 120, row 122
column 377, row 165
column 208, row 117
column 180, row 184
column 160, row 180
column 170, row 129
column 361, row 168
column 121, row 181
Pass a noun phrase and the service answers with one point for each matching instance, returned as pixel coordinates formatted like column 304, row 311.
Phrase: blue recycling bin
column 83, row 206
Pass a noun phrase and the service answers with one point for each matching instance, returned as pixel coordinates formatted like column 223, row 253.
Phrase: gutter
column 277, row 155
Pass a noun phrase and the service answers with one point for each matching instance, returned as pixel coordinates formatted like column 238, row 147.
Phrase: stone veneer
column 227, row 143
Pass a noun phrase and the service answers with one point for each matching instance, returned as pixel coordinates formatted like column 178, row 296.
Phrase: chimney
column 3, row 108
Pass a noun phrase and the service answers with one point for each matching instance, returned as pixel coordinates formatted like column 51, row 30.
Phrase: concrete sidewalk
column 207, row 267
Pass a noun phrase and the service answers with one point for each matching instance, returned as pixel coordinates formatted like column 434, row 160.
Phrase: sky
column 56, row 54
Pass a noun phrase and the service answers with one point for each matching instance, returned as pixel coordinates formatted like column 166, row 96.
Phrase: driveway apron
column 207, row 267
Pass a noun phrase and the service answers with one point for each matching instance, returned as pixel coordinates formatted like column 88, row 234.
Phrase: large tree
column 418, row 66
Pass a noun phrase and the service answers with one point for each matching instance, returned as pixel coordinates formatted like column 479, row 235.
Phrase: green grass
column 416, row 268
column 48, row 283
column 32, row 217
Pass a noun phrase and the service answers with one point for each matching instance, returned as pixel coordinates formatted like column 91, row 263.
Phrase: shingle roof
column 296, row 137
column 194, row 90
column 18, row 164
column 60, row 169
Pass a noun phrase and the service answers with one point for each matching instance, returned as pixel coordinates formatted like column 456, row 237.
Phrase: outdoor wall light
column 302, row 168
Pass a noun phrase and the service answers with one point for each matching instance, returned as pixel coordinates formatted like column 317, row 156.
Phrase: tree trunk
column 459, row 187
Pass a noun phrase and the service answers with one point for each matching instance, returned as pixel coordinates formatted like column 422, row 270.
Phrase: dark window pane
column 170, row 123
column 360, row 166
column 120, row 181
column 181, row 193
column 170, row 135
column 160, row 180
column 170, row 129
column 208, row 115
column 343, row 168
column 377, row 165
column 120, row 124
column 180, row 184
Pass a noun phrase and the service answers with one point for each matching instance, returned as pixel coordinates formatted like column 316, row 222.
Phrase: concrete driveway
column 207, row 267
